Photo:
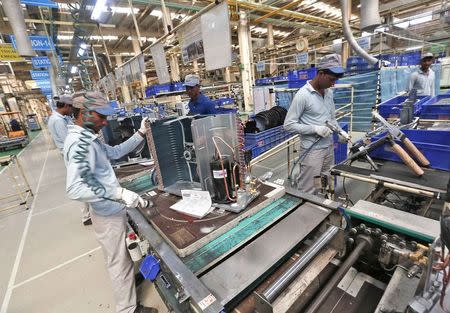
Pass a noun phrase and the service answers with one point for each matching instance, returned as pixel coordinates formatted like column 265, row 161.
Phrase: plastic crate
column 297, row 84
column 433, row 109
column 178, row 86
column 391, row 107
column 434, row 144
column 340, row 149
column 149, row 91
column 280, row 79
column 150, row 267
column 272, row 137
column 302, row 75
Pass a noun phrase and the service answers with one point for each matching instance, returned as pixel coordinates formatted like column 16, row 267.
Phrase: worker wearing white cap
column 424, row 79
column 91, row 178
column 199, row 103
column 311, row 108
column 57, row 126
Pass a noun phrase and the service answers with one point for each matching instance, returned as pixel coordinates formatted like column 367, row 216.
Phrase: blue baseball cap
column 92, row 101
column 331, row 62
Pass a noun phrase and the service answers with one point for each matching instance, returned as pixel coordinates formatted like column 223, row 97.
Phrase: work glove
column 130, row 198
column 322, row 131
column 143, row 128
column 342, row 139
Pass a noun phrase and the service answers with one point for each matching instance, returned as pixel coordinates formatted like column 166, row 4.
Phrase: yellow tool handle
column 415, row 152
column 407, row 159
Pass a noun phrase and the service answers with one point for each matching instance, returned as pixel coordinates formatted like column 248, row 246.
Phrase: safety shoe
column 87, row 222
column 144, row 309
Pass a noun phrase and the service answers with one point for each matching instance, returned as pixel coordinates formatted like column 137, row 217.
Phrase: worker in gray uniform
column 424, row 79
column 91, row 178
column 311, row 108
column 57, row 126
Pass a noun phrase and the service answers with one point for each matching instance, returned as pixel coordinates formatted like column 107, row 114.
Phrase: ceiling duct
column 14, row 13
column 370, row 16
column 348, row 33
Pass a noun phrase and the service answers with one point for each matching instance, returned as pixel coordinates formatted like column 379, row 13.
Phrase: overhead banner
column 216, row 37
column 192, row 42
column 8, row 53
column 40, row 3
column 39, row 62
column 38, row 43
column 159, row 59
column 40, row 75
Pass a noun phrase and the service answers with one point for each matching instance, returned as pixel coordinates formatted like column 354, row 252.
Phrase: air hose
column 303, row 155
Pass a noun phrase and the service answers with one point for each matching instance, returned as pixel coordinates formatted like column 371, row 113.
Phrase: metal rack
column 20, row 196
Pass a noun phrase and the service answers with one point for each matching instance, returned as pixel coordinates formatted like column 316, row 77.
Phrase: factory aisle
column 50, row 262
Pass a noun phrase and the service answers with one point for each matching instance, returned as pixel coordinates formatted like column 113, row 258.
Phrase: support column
column 168, row 26
column 125, row 91
column 270, row 42
column 137, row 50
column 245, row 66
column 195, row 65
column 174, row 68
column 345, row 46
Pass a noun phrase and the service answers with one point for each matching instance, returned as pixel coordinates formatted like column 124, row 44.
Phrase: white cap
column 427, row 55
column 64, row 98
column 191, row 80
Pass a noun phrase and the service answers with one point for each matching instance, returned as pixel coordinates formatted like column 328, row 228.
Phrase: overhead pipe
column 370, row 16
column 349, row 36
column 13, row 11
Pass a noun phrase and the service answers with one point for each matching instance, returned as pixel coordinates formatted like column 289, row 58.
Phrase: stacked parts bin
column 434, row 144
column 436, row 108
column 391, row 107
column 265, row 140
column 298, row 78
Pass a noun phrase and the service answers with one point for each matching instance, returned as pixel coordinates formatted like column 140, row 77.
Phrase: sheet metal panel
column 250, row 264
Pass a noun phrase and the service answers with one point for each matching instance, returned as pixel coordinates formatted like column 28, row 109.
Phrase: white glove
column 143, row 128
column 342, row 139
column 130, row 198
column 322, row 131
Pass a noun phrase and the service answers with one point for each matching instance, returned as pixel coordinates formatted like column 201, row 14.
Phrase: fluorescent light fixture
column 123, row 10
column 99, row 8
column 413, row 48
column 156, row 13
column 70, row 79
column 73, row 70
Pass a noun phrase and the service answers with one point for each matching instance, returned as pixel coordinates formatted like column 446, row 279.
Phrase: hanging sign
column 8, row 53
column 38, row 43
column 364, row 42
column 40, row 75
column 261, row 66
column 302, row 58
column 39, row 62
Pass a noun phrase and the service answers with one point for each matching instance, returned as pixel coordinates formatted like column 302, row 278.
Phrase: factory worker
column 91, row 178
column 424, row 79
column 311, row 107
column 57, row 126
column 198, row 103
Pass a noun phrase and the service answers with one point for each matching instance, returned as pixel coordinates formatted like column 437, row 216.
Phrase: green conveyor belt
column 241, row 233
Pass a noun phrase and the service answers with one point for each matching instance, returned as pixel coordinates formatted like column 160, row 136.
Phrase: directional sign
column 40, row 75
column 38, row 43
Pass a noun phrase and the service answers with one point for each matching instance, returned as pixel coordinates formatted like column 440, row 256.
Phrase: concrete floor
column 50, row 262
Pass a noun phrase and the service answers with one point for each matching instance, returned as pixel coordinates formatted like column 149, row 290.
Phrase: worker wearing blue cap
column 424, row 79
column 199, row 103
column 311, row 108
column 91, row 178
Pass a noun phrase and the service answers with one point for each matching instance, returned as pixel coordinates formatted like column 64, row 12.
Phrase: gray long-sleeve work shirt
column 310, row 108
column 98, row 156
